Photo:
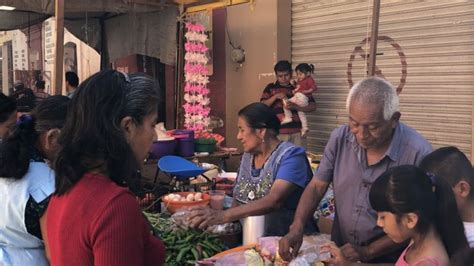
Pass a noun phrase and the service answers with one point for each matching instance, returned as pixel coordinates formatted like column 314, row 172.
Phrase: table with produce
column 188, row 246
column 185, row 245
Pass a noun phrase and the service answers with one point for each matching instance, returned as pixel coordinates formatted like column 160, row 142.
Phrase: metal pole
column 374, row 36
column 59, row 55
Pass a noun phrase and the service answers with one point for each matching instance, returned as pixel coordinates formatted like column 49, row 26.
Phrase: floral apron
column 253, row 184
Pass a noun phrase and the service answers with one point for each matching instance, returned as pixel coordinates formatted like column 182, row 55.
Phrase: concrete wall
column 265, row 34
column 88, row 60
column 7, row 80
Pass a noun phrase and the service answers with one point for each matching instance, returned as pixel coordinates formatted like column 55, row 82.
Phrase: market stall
column 220, row 244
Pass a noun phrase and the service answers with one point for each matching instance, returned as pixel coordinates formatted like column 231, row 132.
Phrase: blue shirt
column 345, row 164
column 287, row 162
column 294, row 168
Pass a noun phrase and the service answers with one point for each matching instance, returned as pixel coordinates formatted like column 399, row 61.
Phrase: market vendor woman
column 271, row 178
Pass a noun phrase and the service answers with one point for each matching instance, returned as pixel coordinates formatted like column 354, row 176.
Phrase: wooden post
column 59, row 55
column 374, row 36
column 472, row 130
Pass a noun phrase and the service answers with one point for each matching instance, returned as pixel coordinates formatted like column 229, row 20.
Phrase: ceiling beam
column 215, row 4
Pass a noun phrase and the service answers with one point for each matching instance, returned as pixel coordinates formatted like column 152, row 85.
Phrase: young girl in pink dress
column 416, row 208
column 305, row 86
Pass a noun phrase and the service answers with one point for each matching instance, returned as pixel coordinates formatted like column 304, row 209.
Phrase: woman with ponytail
column 27, row 182
column 418, row 208
column 93, row 218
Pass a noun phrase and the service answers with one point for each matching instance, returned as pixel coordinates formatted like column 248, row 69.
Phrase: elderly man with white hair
column 355, row 155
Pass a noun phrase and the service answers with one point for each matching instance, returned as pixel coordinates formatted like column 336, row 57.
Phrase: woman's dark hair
column 7, row 107
column 16, row 149
column 407, row 189
column 259, row 115
column 92, row 137
column 282, row 66
column 451, row 164
column 305, row 68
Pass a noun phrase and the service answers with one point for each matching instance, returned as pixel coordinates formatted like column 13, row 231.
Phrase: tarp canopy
column 36, row 10
column 145, row 27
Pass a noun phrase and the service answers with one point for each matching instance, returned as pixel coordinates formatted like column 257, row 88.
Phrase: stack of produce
column 183, row 246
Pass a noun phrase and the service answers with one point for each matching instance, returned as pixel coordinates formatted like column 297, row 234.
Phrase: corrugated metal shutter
column 437, row 38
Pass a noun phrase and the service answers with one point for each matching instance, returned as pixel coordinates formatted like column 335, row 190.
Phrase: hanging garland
column 196, row 107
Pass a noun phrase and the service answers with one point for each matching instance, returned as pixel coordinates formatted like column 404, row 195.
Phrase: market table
column 310, row 244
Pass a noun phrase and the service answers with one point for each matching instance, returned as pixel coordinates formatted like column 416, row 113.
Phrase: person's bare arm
column 272, row 99
column 202, row 216
column 382, row 246
column 290, row 244
column 234, row 203
column 338, row 258
column 310, row 90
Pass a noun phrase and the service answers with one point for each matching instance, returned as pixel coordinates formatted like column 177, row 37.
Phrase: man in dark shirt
column 273, row 96
column 72, row 81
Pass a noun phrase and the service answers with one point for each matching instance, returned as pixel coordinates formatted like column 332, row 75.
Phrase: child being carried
column 305, row 86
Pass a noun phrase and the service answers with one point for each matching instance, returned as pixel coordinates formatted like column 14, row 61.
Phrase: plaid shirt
column 274, row 88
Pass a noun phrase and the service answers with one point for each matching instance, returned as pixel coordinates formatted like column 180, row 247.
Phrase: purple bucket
column 186, row 147
column 162, row 148
column 184, row 134
column 185, row 142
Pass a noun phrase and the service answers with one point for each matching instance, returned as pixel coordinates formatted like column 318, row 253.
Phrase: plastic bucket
column 199, row 147
column 186, row 134
column 186, row 147
column 162, row 148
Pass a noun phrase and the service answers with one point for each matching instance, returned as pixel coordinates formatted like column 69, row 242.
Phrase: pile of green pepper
column 188, row 246
column 184, row 247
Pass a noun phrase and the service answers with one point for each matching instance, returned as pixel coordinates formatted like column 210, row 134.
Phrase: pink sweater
column 402, row 262
column 100, row 223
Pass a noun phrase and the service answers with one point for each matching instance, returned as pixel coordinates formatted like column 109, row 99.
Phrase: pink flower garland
column 196, row 105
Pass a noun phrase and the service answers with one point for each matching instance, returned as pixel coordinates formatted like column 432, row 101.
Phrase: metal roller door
column 426, row 48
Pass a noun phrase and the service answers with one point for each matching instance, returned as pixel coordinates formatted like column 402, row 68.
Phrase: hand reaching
column 290, row 244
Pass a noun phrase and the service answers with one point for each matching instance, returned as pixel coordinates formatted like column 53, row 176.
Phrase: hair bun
column 25, row 121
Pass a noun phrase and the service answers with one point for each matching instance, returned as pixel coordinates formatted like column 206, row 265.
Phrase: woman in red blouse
column 93, row 219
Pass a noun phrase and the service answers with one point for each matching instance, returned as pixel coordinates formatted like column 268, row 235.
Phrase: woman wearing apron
column 271, row 178
column 27, row 181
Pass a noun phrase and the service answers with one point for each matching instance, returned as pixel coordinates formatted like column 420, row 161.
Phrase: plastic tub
column 200, row 147
column 186, row 147
column 162, row 148
column 186, row 134
column 205, row 145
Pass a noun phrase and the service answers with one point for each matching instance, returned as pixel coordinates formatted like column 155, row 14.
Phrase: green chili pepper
column 181, row 253
column 195, row 253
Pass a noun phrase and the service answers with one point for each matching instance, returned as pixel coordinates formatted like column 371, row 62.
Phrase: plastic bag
column 180, row 218
column 268, row 246
column 310, row 256
column 225, row 229
column 310, row 251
